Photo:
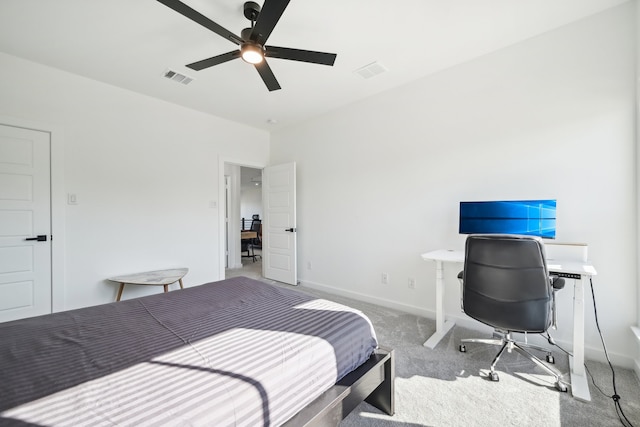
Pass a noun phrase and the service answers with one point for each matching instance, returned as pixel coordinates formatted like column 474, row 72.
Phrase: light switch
column 213, row 204
column 72, row 199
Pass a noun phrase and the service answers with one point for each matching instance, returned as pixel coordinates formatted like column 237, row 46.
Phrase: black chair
column 506, row 285
column 250, row 245
column 256, row 243
column 245, row 221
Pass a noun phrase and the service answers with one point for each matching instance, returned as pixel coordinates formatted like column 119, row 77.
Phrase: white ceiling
column 130, row 43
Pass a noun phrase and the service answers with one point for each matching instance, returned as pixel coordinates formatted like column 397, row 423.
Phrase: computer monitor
column 528, row 217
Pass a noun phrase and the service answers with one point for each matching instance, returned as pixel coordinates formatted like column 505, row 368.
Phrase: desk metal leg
column 579, row 383
column 442, row 325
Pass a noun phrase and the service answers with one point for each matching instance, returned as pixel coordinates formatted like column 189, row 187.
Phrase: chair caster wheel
column 494, row 376
column 561, row 386
column 462, row 348
column 550, row 359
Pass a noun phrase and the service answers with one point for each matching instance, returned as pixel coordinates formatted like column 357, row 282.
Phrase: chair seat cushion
column 527, row 316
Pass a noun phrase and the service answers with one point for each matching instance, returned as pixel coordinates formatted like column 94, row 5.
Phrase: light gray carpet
column 443, row 387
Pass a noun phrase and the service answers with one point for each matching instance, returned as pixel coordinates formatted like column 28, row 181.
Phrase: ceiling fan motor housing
column 251, row 51
column 245, row 34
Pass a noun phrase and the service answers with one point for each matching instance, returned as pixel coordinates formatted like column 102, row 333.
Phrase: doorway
column 279, row 261
column 243, row 218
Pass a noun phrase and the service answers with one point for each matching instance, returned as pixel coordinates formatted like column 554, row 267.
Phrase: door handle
column 291, row 230
column 39, row 238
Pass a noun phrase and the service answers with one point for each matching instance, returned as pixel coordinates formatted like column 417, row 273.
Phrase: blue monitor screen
column 528, row 217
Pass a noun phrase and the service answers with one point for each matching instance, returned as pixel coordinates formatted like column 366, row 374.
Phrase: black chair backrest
column 506, row 282
column 255, row 225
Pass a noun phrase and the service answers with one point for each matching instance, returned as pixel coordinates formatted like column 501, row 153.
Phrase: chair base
column 251, row 253
column 507, row 343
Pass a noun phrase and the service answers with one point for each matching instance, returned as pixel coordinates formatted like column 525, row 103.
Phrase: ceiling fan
column 252, row 40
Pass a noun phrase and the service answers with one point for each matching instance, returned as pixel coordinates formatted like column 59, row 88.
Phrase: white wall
column 553, row 117
column 145, row 173
column 251, row 194
column 251, row 202
column 637, row 328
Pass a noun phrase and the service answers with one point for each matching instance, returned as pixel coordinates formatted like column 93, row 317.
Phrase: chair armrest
column 557, row 282
column 460, row 276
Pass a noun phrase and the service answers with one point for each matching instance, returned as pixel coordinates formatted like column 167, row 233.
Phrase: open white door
column 279, row 226
column 25, row 223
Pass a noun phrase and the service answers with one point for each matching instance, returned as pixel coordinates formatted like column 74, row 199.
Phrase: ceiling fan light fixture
column 251, row 53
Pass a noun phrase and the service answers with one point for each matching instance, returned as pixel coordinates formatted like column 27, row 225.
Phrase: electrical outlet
column 385, row 278
column 412, row 283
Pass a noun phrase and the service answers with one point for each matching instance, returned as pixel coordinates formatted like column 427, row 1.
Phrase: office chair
column 256, row 243
column 506, row 285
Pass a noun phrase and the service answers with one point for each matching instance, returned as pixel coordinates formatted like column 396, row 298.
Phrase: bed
column 233, row 352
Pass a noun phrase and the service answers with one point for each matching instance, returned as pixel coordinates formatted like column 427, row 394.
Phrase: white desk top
column 555, row 265
column 448, row 255
column 578, row 267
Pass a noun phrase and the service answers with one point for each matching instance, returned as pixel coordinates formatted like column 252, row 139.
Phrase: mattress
column 234, row 352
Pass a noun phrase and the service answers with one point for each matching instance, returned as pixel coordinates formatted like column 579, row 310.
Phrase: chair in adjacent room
column 249, row 245
column 245, row 246
column 506, row 285
column 256, row 243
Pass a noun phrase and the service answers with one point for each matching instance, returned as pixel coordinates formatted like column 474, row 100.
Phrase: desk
column 579, row 384
column 153, row 278
column 248, row 234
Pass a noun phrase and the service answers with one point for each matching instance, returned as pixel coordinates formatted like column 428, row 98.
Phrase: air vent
column 371, row 70
column 177, row 77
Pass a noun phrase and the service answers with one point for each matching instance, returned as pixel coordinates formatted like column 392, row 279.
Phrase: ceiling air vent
column 177, row 77
column 370, row 70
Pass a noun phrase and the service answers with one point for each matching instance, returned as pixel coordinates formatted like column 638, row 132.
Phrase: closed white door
column 279, row 226
column 25, row 223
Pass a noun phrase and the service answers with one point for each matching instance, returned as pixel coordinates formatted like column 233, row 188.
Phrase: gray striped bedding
column 237, row 352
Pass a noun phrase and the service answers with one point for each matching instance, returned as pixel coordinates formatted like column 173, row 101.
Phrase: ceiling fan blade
column 267, row 76
column 322, row 58
column 196, row 16
column 269, row 16
column 215, row 60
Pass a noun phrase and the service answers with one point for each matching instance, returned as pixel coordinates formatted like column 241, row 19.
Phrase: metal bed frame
column 371, row 382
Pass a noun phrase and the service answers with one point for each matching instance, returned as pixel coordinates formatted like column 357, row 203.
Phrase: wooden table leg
column 180, row 281
column 120, row 291
column 166, row 288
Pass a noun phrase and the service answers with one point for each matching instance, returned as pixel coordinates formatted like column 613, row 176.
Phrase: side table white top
column 157, row 277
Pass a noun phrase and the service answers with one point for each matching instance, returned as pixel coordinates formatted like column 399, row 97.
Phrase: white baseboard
column 461, row 319
column 418, row 311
